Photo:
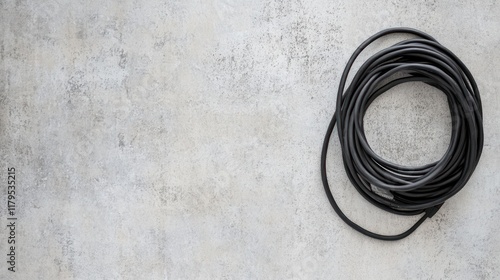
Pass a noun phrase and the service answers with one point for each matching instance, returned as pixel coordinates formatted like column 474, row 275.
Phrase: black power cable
column 392, row 187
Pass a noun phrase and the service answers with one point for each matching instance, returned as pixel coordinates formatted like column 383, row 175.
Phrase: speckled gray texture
column 181, row 140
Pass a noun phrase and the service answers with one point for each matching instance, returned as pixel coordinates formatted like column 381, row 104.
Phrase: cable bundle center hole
column 409, row 124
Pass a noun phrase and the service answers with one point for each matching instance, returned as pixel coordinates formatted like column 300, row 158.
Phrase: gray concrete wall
column 181, row 140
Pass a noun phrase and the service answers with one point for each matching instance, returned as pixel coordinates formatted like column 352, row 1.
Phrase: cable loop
column 405, row 190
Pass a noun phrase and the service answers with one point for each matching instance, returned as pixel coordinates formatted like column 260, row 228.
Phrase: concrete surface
column 181, row 140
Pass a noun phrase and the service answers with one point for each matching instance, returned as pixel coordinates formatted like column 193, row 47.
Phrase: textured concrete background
column 181, row 140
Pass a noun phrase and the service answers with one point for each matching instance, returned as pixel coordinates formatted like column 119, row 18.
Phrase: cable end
column 433, row 210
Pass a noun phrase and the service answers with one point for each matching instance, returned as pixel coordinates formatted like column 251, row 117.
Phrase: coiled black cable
column 392, row 187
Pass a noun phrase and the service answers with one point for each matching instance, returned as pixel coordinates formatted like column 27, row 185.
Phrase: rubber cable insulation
column 406, row 190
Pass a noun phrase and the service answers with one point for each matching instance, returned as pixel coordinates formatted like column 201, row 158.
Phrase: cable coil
column 399, row 189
